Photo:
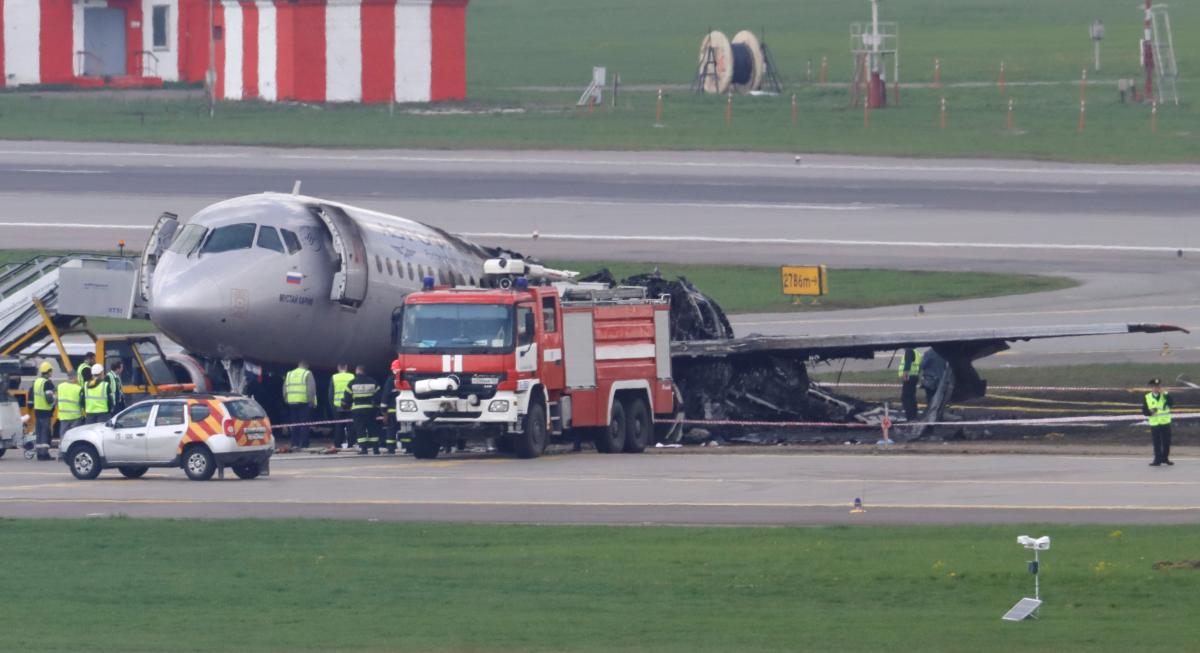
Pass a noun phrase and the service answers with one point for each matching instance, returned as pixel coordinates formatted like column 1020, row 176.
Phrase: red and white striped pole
column 1148, row 52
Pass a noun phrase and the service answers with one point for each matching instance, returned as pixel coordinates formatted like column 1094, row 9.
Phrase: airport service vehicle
column 201, row 433
column 12, row 422
column 523, row 363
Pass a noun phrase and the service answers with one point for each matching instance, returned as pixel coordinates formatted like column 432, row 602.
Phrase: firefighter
column 44, row 400
column 361, row 398
column 116, row 387
column 300, row 395
column 70, row 402
column 1156, row 405
column 95, row 396
column 387, row 409
column 910, row 376
column 337, row 388
column 89, row 359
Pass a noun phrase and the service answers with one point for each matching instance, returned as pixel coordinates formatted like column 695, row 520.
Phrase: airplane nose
column 187, row 308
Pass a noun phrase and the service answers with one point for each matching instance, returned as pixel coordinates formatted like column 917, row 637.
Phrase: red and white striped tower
column 1148, row 52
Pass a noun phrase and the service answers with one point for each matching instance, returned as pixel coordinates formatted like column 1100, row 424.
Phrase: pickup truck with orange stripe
column 200, row 433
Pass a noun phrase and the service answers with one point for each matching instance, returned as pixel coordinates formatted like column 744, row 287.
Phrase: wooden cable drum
column 718, row 80
column 748, row 63
column 739, row 64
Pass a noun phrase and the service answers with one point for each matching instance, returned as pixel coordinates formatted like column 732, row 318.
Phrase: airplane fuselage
column 274, row 279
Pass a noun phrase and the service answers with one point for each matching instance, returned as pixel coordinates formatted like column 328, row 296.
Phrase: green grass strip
column 143, row 585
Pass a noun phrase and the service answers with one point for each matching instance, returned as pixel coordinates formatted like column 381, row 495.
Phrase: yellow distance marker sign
column 809, row 280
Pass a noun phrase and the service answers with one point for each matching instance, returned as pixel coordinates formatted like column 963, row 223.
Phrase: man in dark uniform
column 362, row 398
column 116, row 391
column 910, row 376
column 1156, row 406
column 387, row 408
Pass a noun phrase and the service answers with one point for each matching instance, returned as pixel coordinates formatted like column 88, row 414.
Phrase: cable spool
column 748, row 64
column 716, row 57
column 731, row 65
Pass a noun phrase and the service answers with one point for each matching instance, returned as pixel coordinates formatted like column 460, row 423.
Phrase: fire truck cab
column 524, row 363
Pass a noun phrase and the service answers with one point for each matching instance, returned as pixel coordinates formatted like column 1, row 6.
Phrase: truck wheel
column 133, row 472
column 3, row 451
column 425, row 446
column 198, row 463
column 612, row 439
column 84, row 462
column 639, row 430
column 532, row 442
column 247, row 472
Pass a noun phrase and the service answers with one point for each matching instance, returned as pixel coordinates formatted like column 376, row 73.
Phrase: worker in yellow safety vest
column 95, row 397
column 1156, row 405
column 910, row 376
column 44, row 400
column 343, row 434
column 89, row 359
column 70, row 405
column 300, row 395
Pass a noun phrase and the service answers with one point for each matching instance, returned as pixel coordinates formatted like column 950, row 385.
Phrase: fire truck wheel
column 425, row 446
column 532, row 442
column 638, row 427
column 612, row 439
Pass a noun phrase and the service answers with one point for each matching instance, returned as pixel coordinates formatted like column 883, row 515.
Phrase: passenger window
column 169, row 415
column 134, row 418
column 198, row 412
column 389, row 266
column 268, row 238
column 229, row 238
column 410, row 272
column 549, row 319
column 379, row 265
column 291, row 240
column 525, row 328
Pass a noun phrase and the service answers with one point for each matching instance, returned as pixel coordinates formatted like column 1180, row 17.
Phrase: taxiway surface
column 1125, row 231
column 662, row 487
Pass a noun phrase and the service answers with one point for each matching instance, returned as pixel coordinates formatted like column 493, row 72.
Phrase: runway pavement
column 1119, row 229
column 676, row 487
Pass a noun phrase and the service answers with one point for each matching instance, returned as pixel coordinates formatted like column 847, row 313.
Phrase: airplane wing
column 974, row 343
column 765, row 377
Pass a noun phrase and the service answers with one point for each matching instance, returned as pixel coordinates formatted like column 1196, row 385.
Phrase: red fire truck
column 522, row 363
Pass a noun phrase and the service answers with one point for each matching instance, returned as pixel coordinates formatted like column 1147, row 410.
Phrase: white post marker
column 1027, row 607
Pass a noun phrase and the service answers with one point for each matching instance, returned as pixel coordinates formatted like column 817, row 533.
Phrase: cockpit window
column 187, row 240
column 229, row 238
column 292, row 240
column 268, row 238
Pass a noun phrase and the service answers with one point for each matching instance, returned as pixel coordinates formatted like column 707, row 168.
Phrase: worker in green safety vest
column 70, row 404
column 300, row 395
column 89, row 359
column 361, row 398
column 910, row 376
column 44, row 400
column 343, row 432
column 1156, row 405
column 95, row 397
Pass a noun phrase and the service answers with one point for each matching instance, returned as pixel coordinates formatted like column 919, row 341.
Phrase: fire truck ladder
column 1166, row 70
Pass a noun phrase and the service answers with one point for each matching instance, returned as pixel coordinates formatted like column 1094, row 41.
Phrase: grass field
column 756, row 289
column 141, row 585
column 523, row 43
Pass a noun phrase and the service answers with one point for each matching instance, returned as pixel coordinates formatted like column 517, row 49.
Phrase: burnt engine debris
column 757, row 387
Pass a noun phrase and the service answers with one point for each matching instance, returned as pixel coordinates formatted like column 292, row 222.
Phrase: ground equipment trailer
column 522, row 364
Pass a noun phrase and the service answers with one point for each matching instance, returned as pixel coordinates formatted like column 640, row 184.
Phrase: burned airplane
column 256, row 283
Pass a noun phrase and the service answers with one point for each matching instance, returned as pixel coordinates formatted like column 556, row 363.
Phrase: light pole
column 1097, row 34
